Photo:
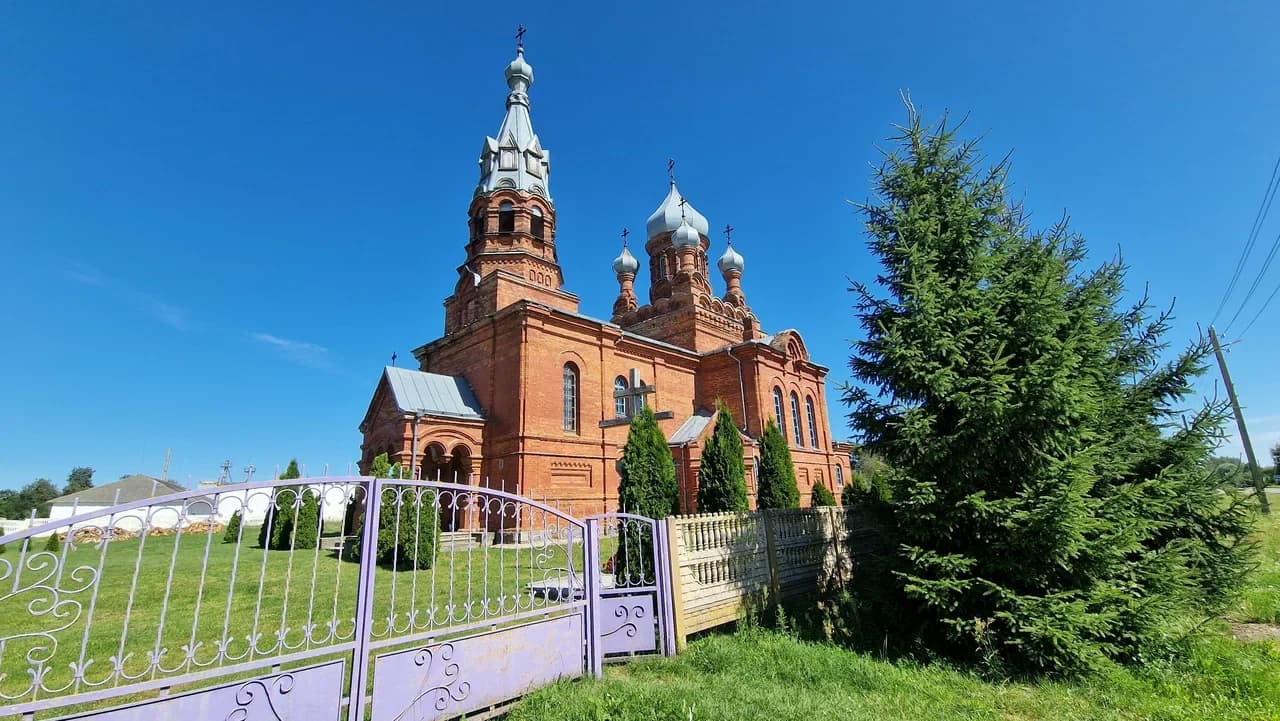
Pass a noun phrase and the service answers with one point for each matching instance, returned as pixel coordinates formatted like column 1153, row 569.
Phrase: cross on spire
column 393, row 358
column 683, row 202
column 520, row 38
column 671, row 170
column 728, row 233
column 625, row 233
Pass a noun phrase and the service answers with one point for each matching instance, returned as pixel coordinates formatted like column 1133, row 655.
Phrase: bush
column 1046, row 490
column 307, row 521
column 722, row 484
column 232, row 533
column 646, row 487
column 822, row 496
column 777, row 472
column 282, row 513
column 408, row 523
column 53, row 544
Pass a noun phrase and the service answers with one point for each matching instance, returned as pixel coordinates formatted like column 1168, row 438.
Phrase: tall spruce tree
column 722, row 484
column 1051, row 506
column 647, row 487
column 777, row 487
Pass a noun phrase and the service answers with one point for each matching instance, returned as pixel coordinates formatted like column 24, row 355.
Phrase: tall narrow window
column 620, row 404
column 777, row 411
column 506, row 217
column 478, row 222
column 535, row 223
column 795, row 420
column 813, row 427
column 570, row 393
column 839, row 477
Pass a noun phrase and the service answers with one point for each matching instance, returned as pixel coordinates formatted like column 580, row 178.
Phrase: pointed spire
column 515, row 159
column 671, row 213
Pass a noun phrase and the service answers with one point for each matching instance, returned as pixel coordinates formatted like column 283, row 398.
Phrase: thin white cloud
column 162, row 310
column 300, row 352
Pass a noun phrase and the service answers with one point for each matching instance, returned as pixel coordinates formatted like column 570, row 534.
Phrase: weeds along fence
column 724, row 564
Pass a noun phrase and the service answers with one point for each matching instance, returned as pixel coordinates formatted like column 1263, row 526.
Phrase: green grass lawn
column 1261, row 600
column 157, row 593
column 757, row 674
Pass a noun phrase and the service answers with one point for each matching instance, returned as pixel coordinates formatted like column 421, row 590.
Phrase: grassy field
column 158, row 593
column 1261, row 601
column 757, row 674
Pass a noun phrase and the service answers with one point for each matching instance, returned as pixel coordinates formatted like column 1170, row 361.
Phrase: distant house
column 137, row 487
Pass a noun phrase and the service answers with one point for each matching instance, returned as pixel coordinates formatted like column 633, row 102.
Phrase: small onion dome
column 519, row 69
column 625, row 263
column 668, row 216
column 730, row 261
column 685, row 236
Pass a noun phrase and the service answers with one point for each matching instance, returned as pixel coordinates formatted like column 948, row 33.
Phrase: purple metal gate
column 279, row 601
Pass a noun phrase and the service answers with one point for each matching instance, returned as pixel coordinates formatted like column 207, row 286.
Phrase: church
column 527, row 394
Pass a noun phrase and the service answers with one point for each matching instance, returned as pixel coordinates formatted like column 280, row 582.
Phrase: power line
column 1257, row 281
column 1265, row 303
column 1259, row 218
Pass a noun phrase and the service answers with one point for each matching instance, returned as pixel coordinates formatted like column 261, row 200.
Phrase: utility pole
column 168, row 454
column 1258, row 484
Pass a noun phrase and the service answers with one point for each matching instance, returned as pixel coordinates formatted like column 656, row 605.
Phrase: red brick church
column 526, row 394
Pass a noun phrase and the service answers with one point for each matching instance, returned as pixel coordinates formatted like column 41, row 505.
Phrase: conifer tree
column 777, row 472
column 722, row 484
column 646, row 487
column 1050, row 502
column 282, row 511
column 79, row 479
column 53, row 544
column 232, row 532
column 408, row 522
column 647, row 483
column 822, row 496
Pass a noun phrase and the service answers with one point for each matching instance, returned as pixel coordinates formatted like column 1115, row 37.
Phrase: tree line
column 36, row 495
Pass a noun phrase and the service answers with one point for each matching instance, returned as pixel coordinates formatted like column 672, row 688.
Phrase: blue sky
column 219, row 221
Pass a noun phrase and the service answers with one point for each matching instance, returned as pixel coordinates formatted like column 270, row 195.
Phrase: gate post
column 668, row 581
column 591, row 576
column 356, row 703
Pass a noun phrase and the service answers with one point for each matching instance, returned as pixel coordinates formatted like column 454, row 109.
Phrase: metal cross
column 635, row 393
column 671, row 170
column 248, row 472
column 393, row 359
column 682, row 204
column 728, row 233
column 625, row 233
column 520, row 37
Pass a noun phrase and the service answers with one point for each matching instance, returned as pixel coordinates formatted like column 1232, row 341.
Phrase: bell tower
column 511, row 251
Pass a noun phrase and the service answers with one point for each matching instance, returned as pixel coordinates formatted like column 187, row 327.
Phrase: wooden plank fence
column 723, row 563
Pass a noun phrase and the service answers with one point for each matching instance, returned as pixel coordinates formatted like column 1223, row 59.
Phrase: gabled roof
column 137, row 487
column 698, row 425
column 432, row 394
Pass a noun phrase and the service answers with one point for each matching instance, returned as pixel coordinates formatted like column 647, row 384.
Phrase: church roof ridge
column 432, row 393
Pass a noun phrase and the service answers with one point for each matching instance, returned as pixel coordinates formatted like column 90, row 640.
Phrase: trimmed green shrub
column 408, row 522
column 722, row 484
column 53, row 543
column 281, row 513
column 232, row 532
column 822, row 496
column 777, row 472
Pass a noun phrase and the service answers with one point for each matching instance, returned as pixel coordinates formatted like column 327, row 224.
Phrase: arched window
column 795, row 420
column 570, row 393
column 839, row 477
column 777, row 411
column 535, row 223
column 813, row 427
column 620, row 404
column 477, row 223
column 506, row 217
